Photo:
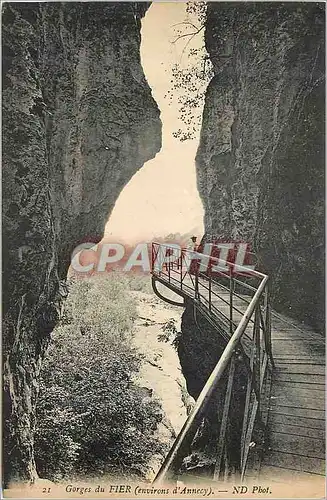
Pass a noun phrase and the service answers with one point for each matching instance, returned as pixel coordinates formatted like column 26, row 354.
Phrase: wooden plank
column 286, row 322
column 280, row 327
column 295, row 349
column 311, row 369
column 311, row 361
column 289, row 350
column 307, row 343
column 297, row 377
column 281, row 474
column 298, row 412
column 302, row 357
column 298, row 430
column 296, row 340
column 284, row 327
column 296, row 402
column 296, row 391
column 290, row 361
column 297, row 344
column 295, row 420
column 296, row 331
column 302, row 346
column 291, row 325
column 301, row 385
column 295, row 462
column 299, row 445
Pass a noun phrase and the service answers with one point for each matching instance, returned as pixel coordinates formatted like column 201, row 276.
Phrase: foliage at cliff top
column 192, row 73
column 92, row 418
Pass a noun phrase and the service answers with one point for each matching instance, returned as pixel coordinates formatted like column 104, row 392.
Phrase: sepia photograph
column 163, row 249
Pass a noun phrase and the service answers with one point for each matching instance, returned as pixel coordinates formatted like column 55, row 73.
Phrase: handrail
column 176, row 454
column 210, row 385
column 198, row 255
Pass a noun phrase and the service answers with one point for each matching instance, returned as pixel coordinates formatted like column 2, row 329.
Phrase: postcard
column 163, row 249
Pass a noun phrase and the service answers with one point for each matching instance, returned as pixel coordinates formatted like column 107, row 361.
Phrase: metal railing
column 235, row 300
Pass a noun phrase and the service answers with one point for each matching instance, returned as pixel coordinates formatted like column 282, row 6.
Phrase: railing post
column 250, row 384
column 269, row 337
column 224, row 420
column 210, row 284
column 257, row 361
column 267, row 331
column 265, row 302
column 196, row 281
column 231, row 300
column 169, row 268
column 253, row 386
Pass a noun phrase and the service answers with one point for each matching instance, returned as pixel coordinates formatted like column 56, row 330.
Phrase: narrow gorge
column 79, row 120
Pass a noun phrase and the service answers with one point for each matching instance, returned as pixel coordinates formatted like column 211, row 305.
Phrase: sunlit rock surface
column 78, row 121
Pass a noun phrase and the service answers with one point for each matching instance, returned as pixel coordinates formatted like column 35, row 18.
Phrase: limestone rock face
column 260, row 169
column 78, row 121
column 260, row 163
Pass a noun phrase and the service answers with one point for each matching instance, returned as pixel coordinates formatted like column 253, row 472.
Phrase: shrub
column 171, row 335
column 91, row 416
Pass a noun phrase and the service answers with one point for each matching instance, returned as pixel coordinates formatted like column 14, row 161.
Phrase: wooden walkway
column 296, row 420
column 296, row 417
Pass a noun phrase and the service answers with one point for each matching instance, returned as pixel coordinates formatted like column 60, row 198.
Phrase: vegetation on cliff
column 192, row 73
column 92, row 417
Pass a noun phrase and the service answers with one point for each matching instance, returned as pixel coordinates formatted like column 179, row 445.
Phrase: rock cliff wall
column 260, row 163
column 260, row 169
column 78, row 121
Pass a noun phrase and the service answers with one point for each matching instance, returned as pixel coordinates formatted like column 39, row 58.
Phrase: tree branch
column 185, row 22
column 192, row 35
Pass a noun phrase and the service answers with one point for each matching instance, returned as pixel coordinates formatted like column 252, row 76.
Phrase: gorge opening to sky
column 162, row 197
